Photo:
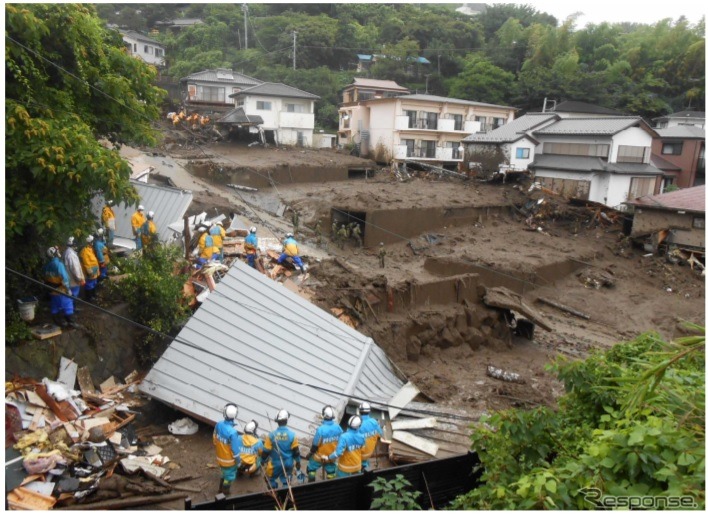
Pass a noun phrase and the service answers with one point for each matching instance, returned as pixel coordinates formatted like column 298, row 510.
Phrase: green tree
column 482, row 81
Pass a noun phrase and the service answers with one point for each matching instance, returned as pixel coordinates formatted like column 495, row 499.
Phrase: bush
column 394, row 495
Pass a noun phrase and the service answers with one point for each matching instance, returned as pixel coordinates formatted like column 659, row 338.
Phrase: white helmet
column 230, row 412
column 53, row 251
column 70, row 242
column 141, row 207
column 288, row 235
column 207, row 223
column 251, row 427
column 364, row 408
column 282, row 417
column 328, row 413
column 89, row 239
column 151, row 214
column 99, row 232
column 252, row 230
column 109, row 203
column 354, row 422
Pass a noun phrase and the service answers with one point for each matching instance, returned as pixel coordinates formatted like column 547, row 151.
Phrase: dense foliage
column 394, row 494
column 632, row 424
column 511, row 54
column 68, row 85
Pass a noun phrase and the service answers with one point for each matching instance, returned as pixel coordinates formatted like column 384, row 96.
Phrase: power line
column 227, row 359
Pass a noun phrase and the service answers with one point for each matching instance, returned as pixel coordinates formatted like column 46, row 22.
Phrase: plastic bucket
column 27, row 307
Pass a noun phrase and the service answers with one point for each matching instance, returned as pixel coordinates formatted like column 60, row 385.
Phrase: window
column 411, row 118
column 458, row 121
column 699, row 222
column 498, row 121
column 432, row 120
column 158, row 52
column 263, row 105
column 587, row 150
column 294, row 107
column 213, row 94
column 428, row 149
column 483, row 123
column 641, row 186
column 455, row 145
column 135, row 47
column 523, row 153
column 672, row 148
column 147, row 50
column 410, row 146
column 631, row 154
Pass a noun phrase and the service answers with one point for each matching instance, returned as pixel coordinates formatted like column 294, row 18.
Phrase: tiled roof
column 682, row 131
column 584, row 108
column 663, row 164
column 140, row 37
column 687, row 199
column 513, row 130
column 255, row 343
column 590, row 164
column 277, row 90
column 686, row 114
column 223, row 76
column 377, row 83
column 590, row 126
column 440, row 99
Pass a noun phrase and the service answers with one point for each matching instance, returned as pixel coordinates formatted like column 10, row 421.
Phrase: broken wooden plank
column 504, row 298
column 45, row 331
column 404, row 396
column 414, row 424
column 416, row 442
column 108, row 384
column 564, row 308
column 85, row 382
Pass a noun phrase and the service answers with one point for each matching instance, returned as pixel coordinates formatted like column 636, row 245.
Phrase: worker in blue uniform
column 250, row 247
column 227, row 443
column 371, row 431
column 282, row 451
column 324, row 444
column 291, row 251
column 251, row 450
column 348, row 452
column 55, row 274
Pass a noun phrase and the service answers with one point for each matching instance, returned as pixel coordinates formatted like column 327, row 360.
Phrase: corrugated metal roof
column 222, row 76
column 687, row 199
column 257, row 344
column 590, row 126
column 511, row 131
column 441, row 99
column 169, row 205
column 682, row 131
column 276, row 89
column 590, row 164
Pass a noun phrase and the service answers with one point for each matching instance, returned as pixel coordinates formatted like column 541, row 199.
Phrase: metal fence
column 439, row 482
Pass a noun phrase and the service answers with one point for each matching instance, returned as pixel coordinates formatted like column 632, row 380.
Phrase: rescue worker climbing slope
column 251, row 450
column 108, row 217
column 281, row 448
column 55, row 274
column 136, row 222
column 348, row 452
column 89, row 264
column 227, row 444
column 323, row 444
column 250, row 247
column 371, row 431
column 291, row 251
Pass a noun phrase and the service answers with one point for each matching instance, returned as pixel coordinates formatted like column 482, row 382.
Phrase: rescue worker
column 371, row 431
column 136, row 222
column 250, row 247
column 148, row 231
column 382, row 256
column 55, row 274
column 203, row 228
column 251, row 450
column 108, row 217
column 356, row 233
column 89, row 263
column 348, row 452
column 210, row 253
column 73, row 268
column 335, row 228
column 227, row 444
column 281, row 448
column 323, row 444
column 290, row 250
column 342, row 235
column 101, row 252
column 218, row 233
column 318, row 232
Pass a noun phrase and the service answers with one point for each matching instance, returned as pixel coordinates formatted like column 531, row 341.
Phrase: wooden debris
column 563, row 308
column 108, row 384
column 504, row 298
column 503, row 375
column 85, row 382
column 126, row 503
column 25, row 500
column 414, row 424
column 419, row 443
column 45, row 331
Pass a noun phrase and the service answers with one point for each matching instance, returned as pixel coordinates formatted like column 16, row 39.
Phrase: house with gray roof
column 143, row 47
column 582, row 109
column 288, row 113
column 255, row 343
column 605, row 160
column 514, row 139
column 684, row 146
column 208, row 91
column 683, row 118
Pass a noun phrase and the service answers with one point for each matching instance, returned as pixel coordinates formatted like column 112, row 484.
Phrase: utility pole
column 244, row 8
column 294, row 49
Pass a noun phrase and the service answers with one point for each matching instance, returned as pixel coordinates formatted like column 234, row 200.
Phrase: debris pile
column 79, row 449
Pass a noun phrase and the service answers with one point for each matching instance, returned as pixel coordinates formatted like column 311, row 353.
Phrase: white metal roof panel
column 255, row 343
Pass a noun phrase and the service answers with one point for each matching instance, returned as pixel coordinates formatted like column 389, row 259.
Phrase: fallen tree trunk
column 124, row 503
column 564, row 308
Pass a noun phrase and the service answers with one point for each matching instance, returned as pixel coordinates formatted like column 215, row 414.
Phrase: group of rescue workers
column 340, row 453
